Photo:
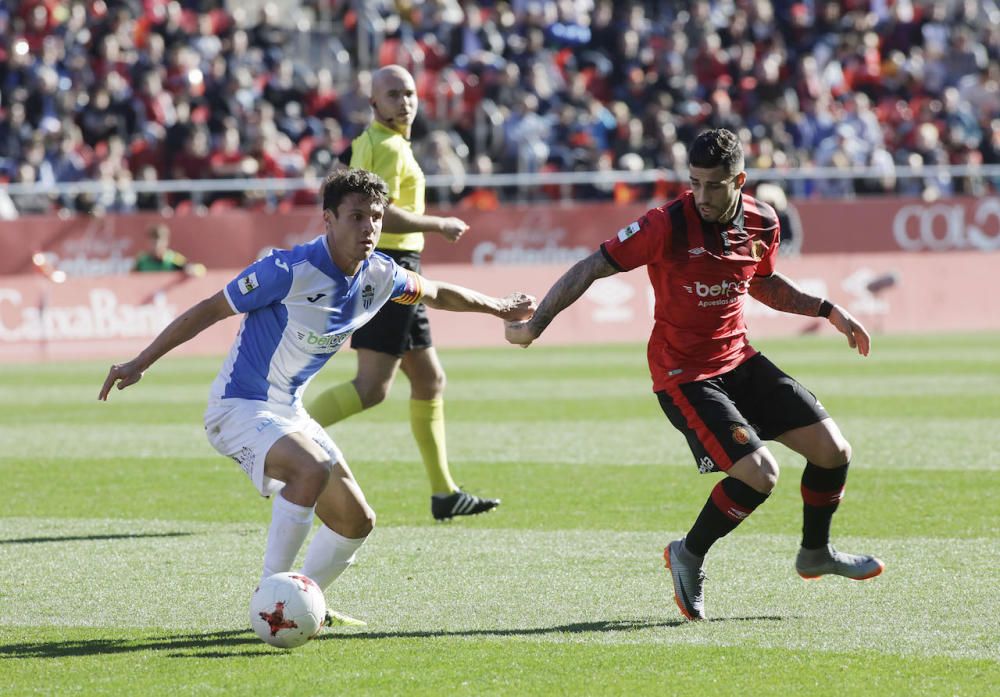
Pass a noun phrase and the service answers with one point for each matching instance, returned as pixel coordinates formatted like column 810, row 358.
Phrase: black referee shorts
column 396, row 328
column 729, row 416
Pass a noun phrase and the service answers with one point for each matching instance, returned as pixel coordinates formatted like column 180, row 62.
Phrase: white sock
column 329, row 554
column 290, row 523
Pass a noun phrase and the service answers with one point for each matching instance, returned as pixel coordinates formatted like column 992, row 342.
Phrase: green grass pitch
column 129, row 548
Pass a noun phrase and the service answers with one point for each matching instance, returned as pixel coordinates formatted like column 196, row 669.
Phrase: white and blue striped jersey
column 299, row 308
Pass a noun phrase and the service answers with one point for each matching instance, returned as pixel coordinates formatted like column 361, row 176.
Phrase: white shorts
column 245, row 430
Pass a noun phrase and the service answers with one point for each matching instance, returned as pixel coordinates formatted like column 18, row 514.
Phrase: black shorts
column 396, row 328
column 727, row 417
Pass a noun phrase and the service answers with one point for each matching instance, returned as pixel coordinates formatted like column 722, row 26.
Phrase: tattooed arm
column 779, row 292
column 561, row 295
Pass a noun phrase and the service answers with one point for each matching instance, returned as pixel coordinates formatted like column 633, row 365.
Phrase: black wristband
column 825, row 308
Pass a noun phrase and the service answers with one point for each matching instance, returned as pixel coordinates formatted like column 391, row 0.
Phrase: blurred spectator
column 269, row 34
column 483, row 198
column 437, row 156
column 323, row 151
column 355, row 105
column 28, row 203
column 117, row 194
column 990, row 148
column 15, row 134
column 8, row 211
column 788, row 217
column 70, row 159
column 160, row 257
column 229, row 160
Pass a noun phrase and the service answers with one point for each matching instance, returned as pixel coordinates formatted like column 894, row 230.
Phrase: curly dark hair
column 353, row 181
column 717, row 148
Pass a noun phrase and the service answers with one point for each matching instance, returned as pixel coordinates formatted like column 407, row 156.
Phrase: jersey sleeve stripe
column 678, row 226
column 225, row 291
column 610, row 259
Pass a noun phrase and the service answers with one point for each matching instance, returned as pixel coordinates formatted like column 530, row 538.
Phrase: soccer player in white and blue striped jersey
column 300, row 306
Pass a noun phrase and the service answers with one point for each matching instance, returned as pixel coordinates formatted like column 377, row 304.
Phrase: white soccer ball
column 287, row 610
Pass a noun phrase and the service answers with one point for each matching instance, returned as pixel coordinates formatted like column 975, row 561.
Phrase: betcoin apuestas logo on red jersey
column 719, row 290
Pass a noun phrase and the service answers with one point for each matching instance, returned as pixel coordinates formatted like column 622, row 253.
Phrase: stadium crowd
column 120, row 90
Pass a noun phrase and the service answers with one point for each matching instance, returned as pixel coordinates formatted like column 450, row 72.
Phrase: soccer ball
column 287, row 610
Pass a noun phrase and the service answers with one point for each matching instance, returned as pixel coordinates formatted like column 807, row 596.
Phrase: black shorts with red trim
column 396, row 328
column 729, row 416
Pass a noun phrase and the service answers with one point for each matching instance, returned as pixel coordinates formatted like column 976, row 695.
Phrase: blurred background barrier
column 116, row 316
column 513, row 235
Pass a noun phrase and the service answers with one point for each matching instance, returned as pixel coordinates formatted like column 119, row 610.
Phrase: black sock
column 729, row 505
column 822, row 490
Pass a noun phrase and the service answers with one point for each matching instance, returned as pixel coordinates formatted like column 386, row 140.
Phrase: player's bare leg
column 375, row 376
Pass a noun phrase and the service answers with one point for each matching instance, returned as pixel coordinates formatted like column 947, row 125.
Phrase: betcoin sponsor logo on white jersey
column 321, row 343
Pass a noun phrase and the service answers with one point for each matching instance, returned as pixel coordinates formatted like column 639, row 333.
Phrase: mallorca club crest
column 740, row 434
column 367, row 296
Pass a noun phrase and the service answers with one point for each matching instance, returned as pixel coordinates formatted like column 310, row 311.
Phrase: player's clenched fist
column 519, row 333
column 518, row 306
column 453, row 228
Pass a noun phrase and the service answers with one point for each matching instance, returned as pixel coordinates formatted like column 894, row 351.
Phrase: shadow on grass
column 80, row 538
column 244, row 643
column 575, row 628
column 96, row 647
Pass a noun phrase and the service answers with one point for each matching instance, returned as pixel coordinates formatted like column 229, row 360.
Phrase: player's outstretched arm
column 448, row 296
column 561, row 295
column 781, row 293
column 185, row 327
column 399, row 220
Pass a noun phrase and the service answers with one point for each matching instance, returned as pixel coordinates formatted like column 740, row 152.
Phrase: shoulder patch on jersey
column 757, row 250
column 627, row 232
column 412, row 292
column 248, row 283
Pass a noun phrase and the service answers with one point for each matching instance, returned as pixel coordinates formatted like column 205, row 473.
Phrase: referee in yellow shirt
column 399, row 336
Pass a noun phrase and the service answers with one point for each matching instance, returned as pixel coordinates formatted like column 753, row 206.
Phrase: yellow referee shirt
column 388, row 154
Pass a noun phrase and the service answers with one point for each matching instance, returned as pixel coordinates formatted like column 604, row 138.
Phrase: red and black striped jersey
column 700, row 273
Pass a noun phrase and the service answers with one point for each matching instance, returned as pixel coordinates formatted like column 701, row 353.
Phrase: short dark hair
column 717, row 148
column 353, row 181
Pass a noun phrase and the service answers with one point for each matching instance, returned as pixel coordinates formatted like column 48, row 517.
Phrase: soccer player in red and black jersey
column 705, row 252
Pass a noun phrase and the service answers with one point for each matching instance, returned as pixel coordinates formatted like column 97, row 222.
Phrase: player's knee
column 361, row 524
column 765, row 476
column 438, row 382
column 430, row 383
column 315, row 473
column 758, row 470
column 373, row 393
column 836, row 452
column 367, row 522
